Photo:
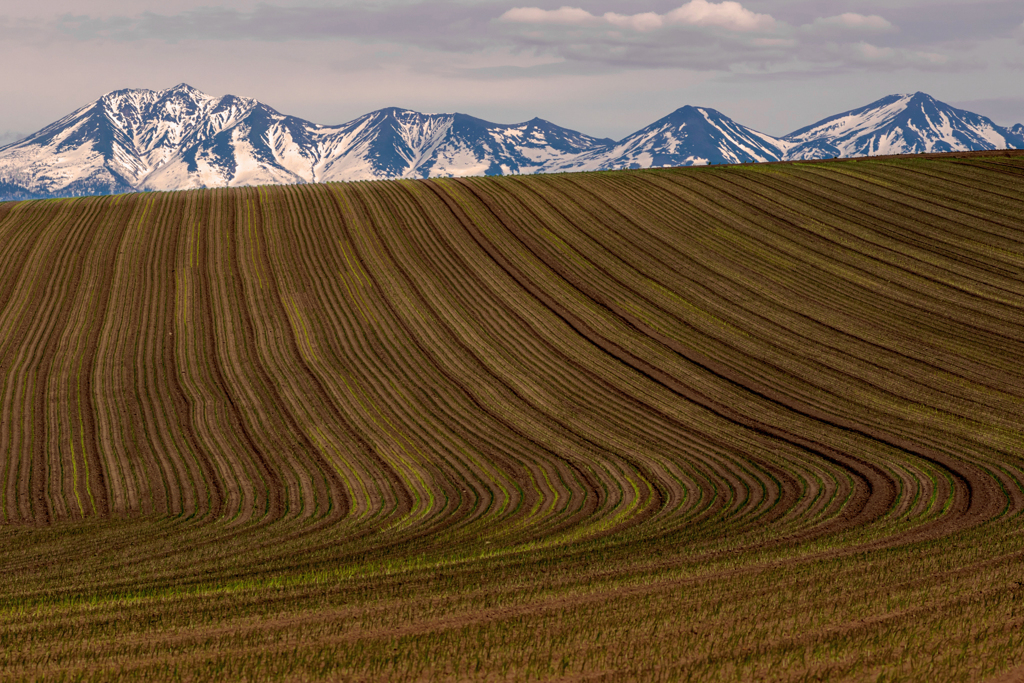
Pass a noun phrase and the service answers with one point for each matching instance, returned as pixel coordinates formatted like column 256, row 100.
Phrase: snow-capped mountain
column 689, row 136
column 180, row 138
column 116, row 143
column 475, row 147
column 398, row 143
column 900, row 124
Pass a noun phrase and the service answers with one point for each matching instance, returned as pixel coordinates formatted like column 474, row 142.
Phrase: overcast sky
column 603, row 67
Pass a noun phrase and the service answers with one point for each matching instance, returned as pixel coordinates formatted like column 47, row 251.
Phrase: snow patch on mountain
column 899, row 124
column 181, row 138
column 689, row 136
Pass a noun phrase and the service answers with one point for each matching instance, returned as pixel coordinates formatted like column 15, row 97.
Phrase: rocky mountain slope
column 689, row 136
column 181, row 138
column 900, row 124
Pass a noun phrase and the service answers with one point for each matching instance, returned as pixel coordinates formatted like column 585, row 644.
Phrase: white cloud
column 774, row 42
column 729, row 15
column 868, row 54
column 563, row 15
column 929, row 58
column 873, row 53
column 648, row 21
column 724, row 36
column 850, row 20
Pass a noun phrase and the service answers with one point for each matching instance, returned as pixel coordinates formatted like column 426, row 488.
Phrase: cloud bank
column 700, row 35
column 723, row 36
column 332, row 59
column 728, row 15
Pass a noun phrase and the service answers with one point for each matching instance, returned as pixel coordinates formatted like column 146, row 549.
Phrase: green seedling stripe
column 718, row 423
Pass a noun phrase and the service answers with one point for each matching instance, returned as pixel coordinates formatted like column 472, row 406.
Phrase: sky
column 602, row 67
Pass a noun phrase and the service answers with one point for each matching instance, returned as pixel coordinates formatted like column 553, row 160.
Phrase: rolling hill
column 737, row 422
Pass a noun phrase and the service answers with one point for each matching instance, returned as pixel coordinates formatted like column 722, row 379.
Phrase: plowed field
column 733, row 423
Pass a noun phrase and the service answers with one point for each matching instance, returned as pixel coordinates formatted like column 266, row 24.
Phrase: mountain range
column 180, row 138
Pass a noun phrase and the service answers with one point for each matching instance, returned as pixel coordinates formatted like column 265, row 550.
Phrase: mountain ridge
column 901, row 124
column 181, row 138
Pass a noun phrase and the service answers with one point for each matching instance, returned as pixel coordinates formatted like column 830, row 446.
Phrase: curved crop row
column 680, row 422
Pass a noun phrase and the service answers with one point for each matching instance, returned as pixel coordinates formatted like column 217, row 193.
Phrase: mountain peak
column 691, row 136
column 183, row 87
column 898, row 124
column 921, row 97
column 181, row 138
column 686, row 110
column 395, row 111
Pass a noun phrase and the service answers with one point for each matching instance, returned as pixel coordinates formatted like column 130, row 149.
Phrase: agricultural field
column 758, row 422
